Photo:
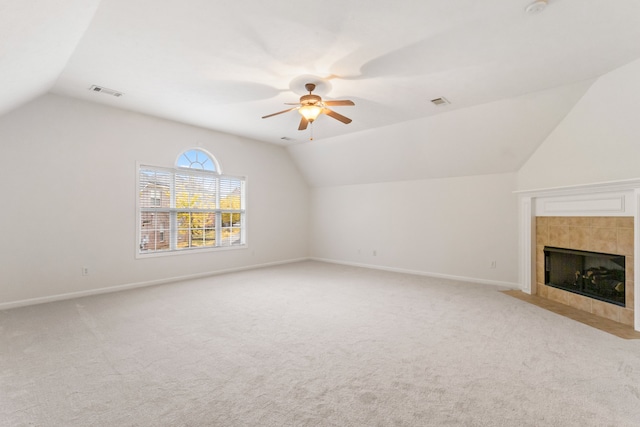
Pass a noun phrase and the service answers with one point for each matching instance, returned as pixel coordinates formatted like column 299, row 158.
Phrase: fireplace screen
column 596, row 275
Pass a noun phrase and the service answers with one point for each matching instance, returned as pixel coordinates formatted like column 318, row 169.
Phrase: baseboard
column 117, row 288
column 423, row 273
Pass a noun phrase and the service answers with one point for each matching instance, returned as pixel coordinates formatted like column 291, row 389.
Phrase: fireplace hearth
column 592, row 274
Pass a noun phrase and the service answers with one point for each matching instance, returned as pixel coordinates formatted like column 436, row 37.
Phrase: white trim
column 608, row 204
column 118, row 288
column 528, row 245
column 608, row 186
column 421, row 273
column 612, row 203
column 187, row 251
column 636, row 263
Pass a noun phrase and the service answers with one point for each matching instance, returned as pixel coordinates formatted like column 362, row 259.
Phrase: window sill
column 144, row 255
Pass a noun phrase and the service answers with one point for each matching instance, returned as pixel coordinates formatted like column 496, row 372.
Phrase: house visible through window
column 198, row 206
column 155, row 197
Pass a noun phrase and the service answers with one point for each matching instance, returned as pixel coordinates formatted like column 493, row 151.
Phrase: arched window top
column 196, row 158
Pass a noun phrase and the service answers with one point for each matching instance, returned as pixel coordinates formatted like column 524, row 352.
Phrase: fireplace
column 597, row 217
column 609, row 239
column 591, row 274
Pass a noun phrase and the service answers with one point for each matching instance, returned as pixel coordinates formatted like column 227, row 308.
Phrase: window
column 189, row 207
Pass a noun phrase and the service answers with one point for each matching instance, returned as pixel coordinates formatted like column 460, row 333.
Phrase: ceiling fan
column 311, row 106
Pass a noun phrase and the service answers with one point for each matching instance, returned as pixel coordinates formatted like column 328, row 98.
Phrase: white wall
column 451, row 227
column 68, row 172
column 598, row 141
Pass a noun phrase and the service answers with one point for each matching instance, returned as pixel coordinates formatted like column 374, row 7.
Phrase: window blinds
column 185, row 209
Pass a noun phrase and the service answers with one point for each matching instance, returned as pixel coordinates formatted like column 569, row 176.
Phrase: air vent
column 440, row 101
column 106, row 91
column 286, row 138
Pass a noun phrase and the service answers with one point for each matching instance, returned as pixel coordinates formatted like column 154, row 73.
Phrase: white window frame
column 173, row 211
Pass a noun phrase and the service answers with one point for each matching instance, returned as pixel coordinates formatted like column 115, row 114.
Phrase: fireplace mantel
column 615, row 198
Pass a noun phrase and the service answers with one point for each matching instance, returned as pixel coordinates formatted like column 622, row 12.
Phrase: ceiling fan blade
column 279, row 112
column 337, row 103
column 303, row 124
column 336, row 116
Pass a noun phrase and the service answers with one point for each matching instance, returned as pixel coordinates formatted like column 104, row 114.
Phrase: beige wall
column 451, row 227
column 68, row 186
column 598, row 141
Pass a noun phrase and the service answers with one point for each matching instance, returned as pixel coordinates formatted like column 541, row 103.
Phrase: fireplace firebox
column 592, row 274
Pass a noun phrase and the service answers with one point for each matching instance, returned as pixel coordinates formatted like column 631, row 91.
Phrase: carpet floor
column 311, row 344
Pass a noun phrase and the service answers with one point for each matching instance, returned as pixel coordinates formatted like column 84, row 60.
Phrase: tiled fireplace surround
column 599, row 217
column 612, row 235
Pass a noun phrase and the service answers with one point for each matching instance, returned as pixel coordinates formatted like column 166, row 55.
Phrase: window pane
column 209, row 230
column 147, row 230
column 231, row 236
column 184, row 196
column 210, row 237
column 231, row 193
column 183, row 238
column 154, row 188
column 235, row 220
column 196, row 159
column 197, row 192
column 184, row 230
column 197, row 229
column 197, row 237
column 152, row 231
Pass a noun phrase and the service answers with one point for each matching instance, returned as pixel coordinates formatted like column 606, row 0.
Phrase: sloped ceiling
column 510, row 76
column 496, row 137
column 37, row 37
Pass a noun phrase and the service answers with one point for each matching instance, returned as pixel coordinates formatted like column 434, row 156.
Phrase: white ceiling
column 223, row 65
column 37, row 38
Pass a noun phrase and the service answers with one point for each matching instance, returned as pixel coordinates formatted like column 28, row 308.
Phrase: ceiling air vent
column 440, row 101
column 106, row 91
column 286, row 138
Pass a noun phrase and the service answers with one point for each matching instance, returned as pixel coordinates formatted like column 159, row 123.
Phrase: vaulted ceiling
column 510, row 76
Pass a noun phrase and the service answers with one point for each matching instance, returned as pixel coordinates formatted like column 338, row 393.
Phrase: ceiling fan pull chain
column 311, row 131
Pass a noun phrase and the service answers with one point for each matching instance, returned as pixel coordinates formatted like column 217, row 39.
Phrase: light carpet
column 311, row 344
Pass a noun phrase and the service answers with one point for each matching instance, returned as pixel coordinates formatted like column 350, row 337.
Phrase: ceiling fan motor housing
column 310, row 99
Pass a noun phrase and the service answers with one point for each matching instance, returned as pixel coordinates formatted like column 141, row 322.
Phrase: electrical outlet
column 85, row 271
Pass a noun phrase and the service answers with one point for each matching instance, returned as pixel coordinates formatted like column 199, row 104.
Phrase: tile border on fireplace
column 587, row 233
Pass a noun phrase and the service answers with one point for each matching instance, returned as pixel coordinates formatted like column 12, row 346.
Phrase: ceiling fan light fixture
column 310, row 112
column 536, row 7
column 311, row 106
